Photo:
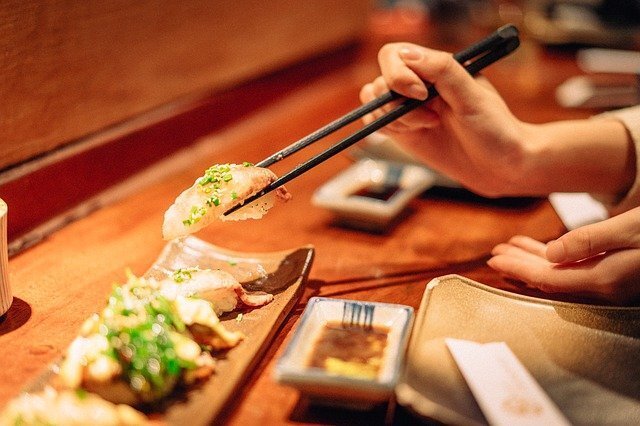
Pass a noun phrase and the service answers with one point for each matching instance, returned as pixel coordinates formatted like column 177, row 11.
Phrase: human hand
column 467, row 133
column 600, row 260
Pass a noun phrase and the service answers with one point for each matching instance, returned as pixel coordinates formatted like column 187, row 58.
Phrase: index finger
column 406, row 67
column 401, row 78
column 622, row 231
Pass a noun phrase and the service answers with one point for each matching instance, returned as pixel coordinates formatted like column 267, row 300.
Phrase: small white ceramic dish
column 292, row 368
column 352, row 194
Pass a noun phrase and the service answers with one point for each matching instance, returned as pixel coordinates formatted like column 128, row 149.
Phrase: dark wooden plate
column 282, row 273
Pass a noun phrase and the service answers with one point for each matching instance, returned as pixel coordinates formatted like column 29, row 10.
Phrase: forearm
column 596, row 156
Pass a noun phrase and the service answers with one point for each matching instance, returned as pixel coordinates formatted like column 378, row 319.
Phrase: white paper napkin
column 505, row 391
column 577, row 209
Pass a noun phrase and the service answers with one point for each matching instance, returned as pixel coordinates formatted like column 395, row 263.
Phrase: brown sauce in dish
column 382, row 193
column 350, row 351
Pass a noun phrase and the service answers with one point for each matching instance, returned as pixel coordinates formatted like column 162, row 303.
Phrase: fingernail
column 417, row 91
column 555, row 251
column 411, row 54
column 492, row 264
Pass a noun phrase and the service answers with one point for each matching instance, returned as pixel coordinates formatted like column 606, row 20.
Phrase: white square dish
column 371, row 193
column 292, row 368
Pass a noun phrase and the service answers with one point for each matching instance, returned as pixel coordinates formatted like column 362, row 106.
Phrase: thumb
column 454, row 84
column 619, row 232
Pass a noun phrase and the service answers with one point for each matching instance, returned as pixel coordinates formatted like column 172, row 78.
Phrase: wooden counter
column 62, row 280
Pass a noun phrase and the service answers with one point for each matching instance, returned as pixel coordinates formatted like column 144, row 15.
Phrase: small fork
column 357, row 314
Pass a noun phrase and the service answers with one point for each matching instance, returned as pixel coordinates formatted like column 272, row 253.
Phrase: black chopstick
column 499, row 44
column 505, row 34
column 346, row 119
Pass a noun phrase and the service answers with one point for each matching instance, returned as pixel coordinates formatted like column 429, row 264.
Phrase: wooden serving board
column 281, row 273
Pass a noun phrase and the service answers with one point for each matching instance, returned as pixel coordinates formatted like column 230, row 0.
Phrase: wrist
column 520, row 161
column 578, row 156
column 539, row 146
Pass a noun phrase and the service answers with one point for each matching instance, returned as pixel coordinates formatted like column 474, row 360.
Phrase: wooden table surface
column 61, row 281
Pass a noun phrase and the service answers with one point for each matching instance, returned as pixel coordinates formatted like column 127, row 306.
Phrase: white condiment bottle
column 5, row 289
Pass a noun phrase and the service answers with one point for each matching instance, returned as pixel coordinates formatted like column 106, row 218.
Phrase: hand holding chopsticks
column 474, row 58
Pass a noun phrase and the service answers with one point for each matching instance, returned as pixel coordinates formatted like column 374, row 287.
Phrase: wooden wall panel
column 71, row 68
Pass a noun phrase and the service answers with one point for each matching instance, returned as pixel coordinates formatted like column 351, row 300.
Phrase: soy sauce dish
column 346, row 352
column 371, row 194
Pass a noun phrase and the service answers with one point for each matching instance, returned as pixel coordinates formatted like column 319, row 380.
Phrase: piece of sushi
column 143, row 343
column 223, row 186
column 218, row 287
column 69, row 408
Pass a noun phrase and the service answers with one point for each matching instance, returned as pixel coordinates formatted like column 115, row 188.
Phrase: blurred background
column 96, row 91
column 580, row 22
column 72, row 69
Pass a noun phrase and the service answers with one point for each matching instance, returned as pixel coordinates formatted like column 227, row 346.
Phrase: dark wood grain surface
column 61, row 281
